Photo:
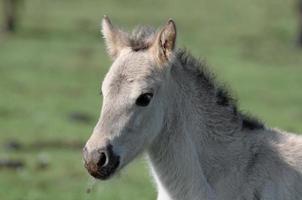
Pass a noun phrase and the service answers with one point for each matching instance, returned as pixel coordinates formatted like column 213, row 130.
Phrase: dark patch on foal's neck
column 222, row 97
column 251, row 123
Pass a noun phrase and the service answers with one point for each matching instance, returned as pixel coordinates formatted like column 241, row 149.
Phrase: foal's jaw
column 103, row 161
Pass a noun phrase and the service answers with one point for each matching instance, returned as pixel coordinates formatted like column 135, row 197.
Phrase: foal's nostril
column 103, row 161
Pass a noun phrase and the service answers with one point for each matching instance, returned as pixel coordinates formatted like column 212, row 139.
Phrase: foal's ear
column 165, row 41
column 115, row 39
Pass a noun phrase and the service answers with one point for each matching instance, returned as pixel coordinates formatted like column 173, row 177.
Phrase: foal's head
column 134, row 93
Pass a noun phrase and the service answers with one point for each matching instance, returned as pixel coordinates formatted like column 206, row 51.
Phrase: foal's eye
column 144, row 99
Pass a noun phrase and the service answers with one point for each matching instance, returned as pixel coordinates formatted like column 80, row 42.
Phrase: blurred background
column 52, row 62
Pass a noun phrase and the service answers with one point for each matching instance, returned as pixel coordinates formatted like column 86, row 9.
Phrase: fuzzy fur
column 199, row 144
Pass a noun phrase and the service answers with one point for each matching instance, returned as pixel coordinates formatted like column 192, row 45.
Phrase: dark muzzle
column 101, row 163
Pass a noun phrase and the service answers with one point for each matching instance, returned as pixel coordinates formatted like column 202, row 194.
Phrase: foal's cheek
column 140, row 119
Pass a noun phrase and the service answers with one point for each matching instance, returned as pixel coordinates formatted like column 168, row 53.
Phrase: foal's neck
column 194, row 120
column 203, row 131
column 200, row 106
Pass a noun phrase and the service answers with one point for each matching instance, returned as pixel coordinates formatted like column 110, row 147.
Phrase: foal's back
column 276, row 165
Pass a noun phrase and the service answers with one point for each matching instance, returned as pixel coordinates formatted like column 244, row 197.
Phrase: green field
column 53, row 67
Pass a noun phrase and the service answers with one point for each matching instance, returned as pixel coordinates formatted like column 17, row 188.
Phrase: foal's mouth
column 102, row 173
column 106, row 165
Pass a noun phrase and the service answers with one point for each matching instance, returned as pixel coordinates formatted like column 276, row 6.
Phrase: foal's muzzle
column 101, row 163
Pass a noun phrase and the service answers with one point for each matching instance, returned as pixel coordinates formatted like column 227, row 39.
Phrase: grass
column 53, row 67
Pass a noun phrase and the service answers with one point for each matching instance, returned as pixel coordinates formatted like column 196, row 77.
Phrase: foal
column 162, row 101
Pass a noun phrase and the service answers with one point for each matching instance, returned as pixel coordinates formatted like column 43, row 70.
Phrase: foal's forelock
column 142, row 38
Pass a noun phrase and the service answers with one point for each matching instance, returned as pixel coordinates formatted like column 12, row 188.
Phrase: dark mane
column 221, row 93
column 251, row 123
